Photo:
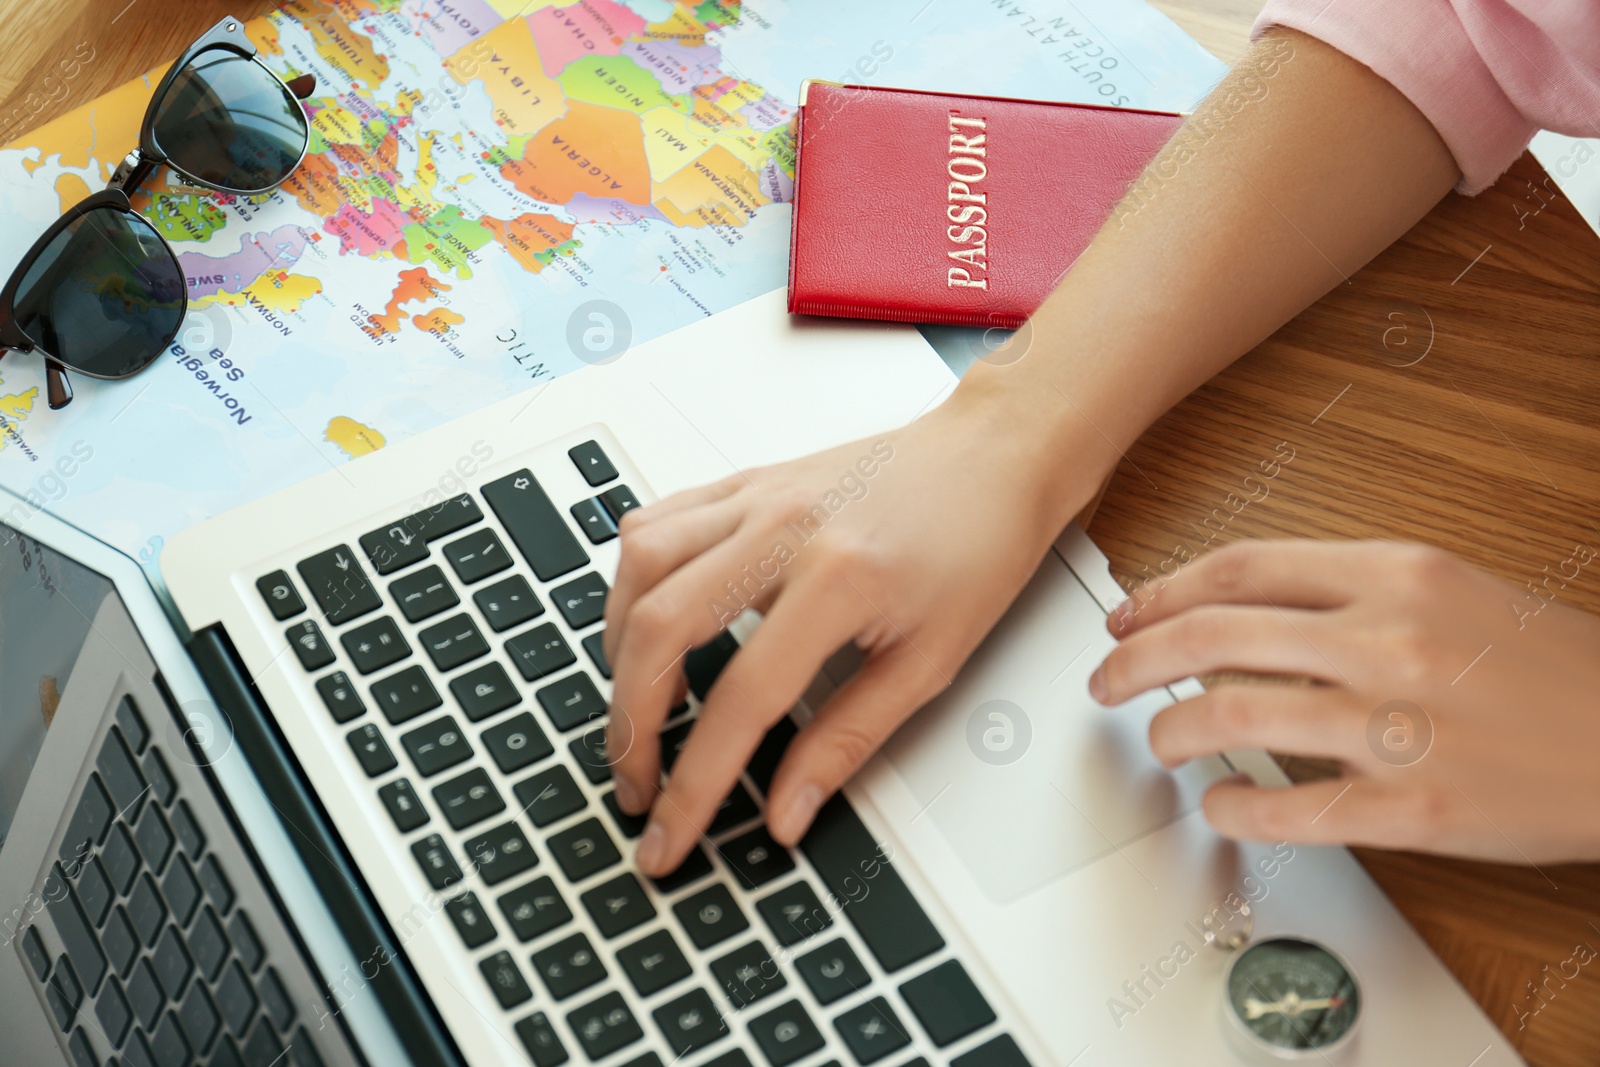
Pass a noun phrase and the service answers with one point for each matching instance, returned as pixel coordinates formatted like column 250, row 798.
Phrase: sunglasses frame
column 227, row 35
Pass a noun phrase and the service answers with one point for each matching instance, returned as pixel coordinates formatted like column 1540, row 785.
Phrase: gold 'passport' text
column 968, row 208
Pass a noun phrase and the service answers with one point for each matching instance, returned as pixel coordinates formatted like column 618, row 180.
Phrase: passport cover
column 941, row 208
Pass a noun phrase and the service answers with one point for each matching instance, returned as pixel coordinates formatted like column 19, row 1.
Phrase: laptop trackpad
column 1025, row 775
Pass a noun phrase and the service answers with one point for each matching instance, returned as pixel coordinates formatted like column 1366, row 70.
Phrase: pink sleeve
column 1422, row 49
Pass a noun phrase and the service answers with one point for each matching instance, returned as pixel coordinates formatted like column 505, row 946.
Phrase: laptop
column 345, row 799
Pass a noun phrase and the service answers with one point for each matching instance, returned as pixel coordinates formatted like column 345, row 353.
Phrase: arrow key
column 592, row 462
column 596, row 523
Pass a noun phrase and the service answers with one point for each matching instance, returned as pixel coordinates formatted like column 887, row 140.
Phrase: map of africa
column 485, row 178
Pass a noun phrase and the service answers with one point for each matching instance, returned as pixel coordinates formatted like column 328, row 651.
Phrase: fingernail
column 1097, row 686
column 652, row 848
column 628, row 796
column 798, row 815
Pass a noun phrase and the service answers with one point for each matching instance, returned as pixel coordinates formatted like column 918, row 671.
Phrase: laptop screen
column 47, row 604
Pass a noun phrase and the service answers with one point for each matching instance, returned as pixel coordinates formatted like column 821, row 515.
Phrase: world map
column 486, row 180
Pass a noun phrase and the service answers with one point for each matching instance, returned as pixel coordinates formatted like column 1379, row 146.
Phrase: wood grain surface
column 1487, row 446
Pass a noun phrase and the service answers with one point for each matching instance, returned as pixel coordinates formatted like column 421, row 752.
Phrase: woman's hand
column 1465, row 710
column 911, row 544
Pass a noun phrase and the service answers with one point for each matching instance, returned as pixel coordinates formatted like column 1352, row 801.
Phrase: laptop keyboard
column 148, row 951
column 459, row 651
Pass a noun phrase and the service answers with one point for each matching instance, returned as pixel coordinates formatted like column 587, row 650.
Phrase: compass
column 1291, row 999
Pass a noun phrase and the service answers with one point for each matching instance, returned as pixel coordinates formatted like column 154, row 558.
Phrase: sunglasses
column 101, row 293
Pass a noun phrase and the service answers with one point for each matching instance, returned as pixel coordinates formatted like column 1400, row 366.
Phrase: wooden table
column 1487, row 447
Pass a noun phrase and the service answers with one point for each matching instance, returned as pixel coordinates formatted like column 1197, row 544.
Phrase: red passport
column 964, row 210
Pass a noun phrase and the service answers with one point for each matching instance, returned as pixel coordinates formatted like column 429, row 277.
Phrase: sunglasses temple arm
column 58, row 387
column 131, row 173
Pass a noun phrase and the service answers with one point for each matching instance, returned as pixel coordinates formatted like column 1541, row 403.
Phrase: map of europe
column 484, row 179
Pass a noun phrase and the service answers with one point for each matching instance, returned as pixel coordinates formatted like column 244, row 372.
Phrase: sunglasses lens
column 105, row 296
column 229, row 122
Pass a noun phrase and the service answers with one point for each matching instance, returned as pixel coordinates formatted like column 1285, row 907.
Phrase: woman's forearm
column 1300, row 167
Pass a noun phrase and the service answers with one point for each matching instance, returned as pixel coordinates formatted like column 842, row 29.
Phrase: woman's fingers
column 1287, row 574
column 1339, row 811
column 845, row 733
column 762, row 681
column 651, row 552
column 1302, row 720
column 1207, row 639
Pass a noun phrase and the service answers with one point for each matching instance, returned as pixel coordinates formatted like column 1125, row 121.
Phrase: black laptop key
column 208, row 944
column 710, row 916
column 371, row 750
column 582, row 601
column 477, row 555
column 198, row 1019
column 72, row 927
column 181, row 890
column 595, row 646
column 445, row 518
column 604, row 1025
column 654, row 962
column 507, row 603
column 90, row 820
column 569, row 966
column 540, row 652
column 737, row 1057
column 120, row 859
column 188, row 831
column 618, row 501
column 872, row 1031
column 534, row 909
column 794, row 913
column 631, row 826
column 144, row 994
column 539, row 1039
column 584, row 849
column 262, row 1048
column 704, row 665
column 33, row 951
column 216, row 885
column 550, row 795
column 405, row 694
column 111, row 1008
column 340, row 697
column 453, row 642
column 468, row 798
column 505, row 979
column 737, row 807
column 594, row 520
column 120, row 774
column 756, row 858
column 619, row 905
column 998, row 1052
column 436, row 746
column 833, row 971
column 887, row 916
column 64, row 993
column 146, row 911
column 134, row 730
column 592, row 462
column 786, row 1034
column 517, row 743
column 154, row 837
column 311, row 648
column 94, row 892
column 276, row 1000
column 423, row 594
column 690, row 1022
column 172, row 963
column 470, row 920
column 162, row 785
column 947, row 1003
column 539, row 531
column 393, row 547
column 764, row 763
column 82, row 1052
column 236, row 999
column 501, row 853
column 338, row 584
column 245, row 942
column 695, row 866
column 572, row 701
column 484, row 691
column 748, row 974
column 404, row 806
column 590, row 752
column 438, row 866
column 278, row 592
column 374, row 645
